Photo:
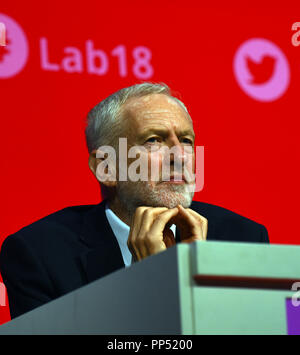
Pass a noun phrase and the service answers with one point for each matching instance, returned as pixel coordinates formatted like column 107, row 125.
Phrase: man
column 80, row 244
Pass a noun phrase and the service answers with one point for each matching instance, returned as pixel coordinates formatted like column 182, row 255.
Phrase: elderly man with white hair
column 138, row 216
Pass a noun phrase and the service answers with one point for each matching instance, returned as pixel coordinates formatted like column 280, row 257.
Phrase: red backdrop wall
column 72, row 55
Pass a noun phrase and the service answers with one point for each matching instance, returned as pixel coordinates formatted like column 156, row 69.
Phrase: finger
column 161, row 220
column 204, row 222
column 134, row 250
column 133, row 253
column 142, row 221
column 134, row 232
column 140, row 241
column 148, row 217
column 137, row 221
column 154, row 238
column 194, row 224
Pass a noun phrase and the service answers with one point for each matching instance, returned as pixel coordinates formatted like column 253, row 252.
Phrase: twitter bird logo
column 261, row 69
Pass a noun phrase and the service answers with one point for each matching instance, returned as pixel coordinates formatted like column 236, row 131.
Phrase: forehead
column 155, row 110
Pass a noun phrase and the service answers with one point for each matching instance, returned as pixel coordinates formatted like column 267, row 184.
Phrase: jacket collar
column 104, row 255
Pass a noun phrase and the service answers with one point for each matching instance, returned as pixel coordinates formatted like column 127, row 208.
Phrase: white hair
column 103, row 121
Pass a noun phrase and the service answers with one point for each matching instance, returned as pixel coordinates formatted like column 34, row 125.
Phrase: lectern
column 200, row 288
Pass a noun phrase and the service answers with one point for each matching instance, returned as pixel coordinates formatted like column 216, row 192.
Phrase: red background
column 251, row 147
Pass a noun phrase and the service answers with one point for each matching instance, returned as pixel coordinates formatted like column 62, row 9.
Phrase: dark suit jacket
column 76, row 245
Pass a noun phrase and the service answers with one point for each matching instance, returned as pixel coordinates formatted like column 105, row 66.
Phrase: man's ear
column 93, row 162
column 103, row 165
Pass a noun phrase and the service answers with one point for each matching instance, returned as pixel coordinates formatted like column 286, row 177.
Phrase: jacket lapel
column 103, row 255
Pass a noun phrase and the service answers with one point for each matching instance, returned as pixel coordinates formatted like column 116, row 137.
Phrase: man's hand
column 150, row 233
column 192, row 225
column 146, row 235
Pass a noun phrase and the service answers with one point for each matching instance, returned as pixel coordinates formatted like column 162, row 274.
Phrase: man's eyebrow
column 161, row 131
column 149, row 132
column 188, row 132
column 165, row 132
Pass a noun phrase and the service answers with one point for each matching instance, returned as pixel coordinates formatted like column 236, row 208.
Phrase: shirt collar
column 121, row 232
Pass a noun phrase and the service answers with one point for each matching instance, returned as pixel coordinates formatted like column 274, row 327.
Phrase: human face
column 153, row 122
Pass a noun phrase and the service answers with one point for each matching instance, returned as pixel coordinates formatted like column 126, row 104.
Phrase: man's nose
column 178, row 151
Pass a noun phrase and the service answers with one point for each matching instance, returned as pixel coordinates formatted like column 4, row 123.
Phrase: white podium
column 199, row 288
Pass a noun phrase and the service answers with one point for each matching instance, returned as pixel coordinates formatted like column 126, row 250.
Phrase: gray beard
column 135, row 194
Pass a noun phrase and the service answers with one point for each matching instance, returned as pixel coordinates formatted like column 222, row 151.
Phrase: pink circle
column 261, row 69
column 13, row 56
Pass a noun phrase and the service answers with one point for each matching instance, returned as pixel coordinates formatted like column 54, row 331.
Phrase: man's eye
column 187, row 141
column 153, row 140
